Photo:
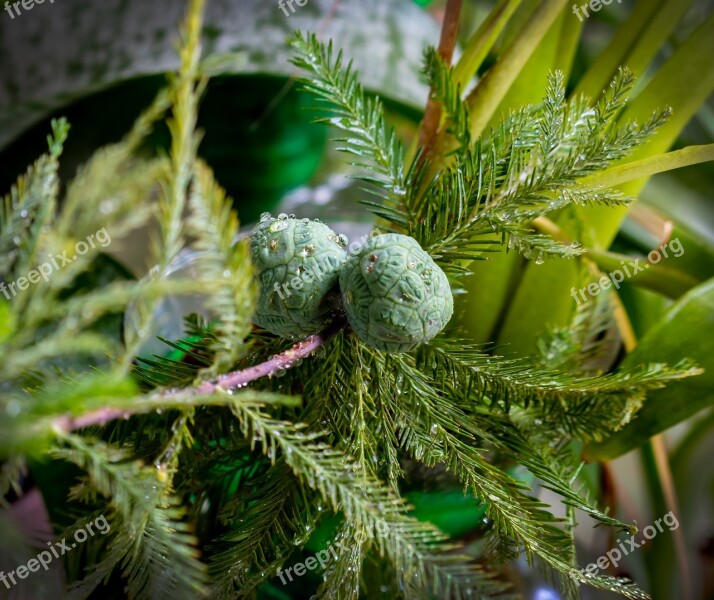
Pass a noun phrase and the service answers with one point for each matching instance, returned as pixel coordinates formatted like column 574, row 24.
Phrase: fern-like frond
column 448, row 94
column 521, row 381
column 186, row 359
column 530, row 167
column 521, row 521
column 26, row 210
column 374, row 145
column 342, row 574
column 185, row 90
column 264, row 526
column 416, row 549
column 215, row 227
column 153, row 545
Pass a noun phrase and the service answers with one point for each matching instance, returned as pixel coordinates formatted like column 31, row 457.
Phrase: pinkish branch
column 229, row 381
column 284, row 360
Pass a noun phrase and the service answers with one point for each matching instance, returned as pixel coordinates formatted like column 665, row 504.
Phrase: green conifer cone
column 395, row 296
column 297, row 262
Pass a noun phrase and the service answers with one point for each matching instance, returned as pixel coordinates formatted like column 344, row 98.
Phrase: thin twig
column 447, row 44
column 284, row 360
column 98, row 417
column 229, row 381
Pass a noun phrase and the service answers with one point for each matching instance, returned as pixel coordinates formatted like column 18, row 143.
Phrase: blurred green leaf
column 486, row 100
column 635, row 43
column 482, row 41
column 7, row 321
column 686, row 331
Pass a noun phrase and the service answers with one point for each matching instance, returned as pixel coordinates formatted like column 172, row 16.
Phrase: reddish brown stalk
column 447, row 44
column 229, row 381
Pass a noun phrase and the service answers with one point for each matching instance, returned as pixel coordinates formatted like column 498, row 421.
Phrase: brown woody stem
column 447, row 43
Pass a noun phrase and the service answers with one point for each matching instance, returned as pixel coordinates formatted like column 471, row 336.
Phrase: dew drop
column 277, row 226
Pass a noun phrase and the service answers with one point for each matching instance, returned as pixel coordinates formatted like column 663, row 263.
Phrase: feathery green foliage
column 211, row 490
column 529, row 166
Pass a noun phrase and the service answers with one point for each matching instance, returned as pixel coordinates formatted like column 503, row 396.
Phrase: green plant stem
column 662, row 476
column 647, row 167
